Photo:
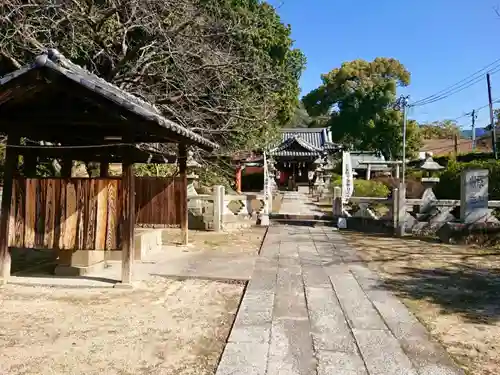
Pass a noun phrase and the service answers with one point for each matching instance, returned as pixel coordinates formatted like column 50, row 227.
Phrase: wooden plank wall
column 70, row 214
column 157, row 201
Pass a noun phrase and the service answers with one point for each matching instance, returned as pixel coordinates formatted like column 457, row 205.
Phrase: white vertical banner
column 266, row 187
column 347, row 177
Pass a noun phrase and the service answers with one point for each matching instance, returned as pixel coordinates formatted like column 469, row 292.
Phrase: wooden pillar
column 104, row 169
column 128, row 217
column 30, row 162
column 10, row 165
column 66, row 168
column 184, row 200
column 238, row 179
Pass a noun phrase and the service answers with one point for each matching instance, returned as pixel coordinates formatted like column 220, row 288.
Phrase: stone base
column 65, row 270
column 477, row 233
column 264, row 220
column 123, row 286
column 83, row 262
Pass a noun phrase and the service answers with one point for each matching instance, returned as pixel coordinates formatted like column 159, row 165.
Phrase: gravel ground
column 453, row 290
column 161, row 327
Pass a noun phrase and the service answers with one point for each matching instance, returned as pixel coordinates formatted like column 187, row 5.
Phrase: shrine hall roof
column 307, row 141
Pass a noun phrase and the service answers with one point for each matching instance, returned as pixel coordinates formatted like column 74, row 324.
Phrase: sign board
column 347, row 177
column 474, row 196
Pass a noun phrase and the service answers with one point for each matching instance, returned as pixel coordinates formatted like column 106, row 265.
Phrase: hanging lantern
column 300, row 172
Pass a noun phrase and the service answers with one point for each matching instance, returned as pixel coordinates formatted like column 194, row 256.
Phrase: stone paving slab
column 291, row 351
column 329, row 327
column 315, row 277
column 290, row 300
column 312, row 308
column 243, row 359
column 340, row 363
column 382, row 353
column 359, row 310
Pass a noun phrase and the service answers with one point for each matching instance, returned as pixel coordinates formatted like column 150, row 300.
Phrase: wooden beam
column 128, row 218
column 11, row 159
column 66, row 168
column 184, row 200
column 104, row 169
column 30, row 162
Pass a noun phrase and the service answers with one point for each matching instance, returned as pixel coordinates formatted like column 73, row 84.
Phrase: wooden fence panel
column 70, row 214
column 157, row 201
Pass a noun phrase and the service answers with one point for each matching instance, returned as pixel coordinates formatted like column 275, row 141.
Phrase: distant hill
column 468, row 133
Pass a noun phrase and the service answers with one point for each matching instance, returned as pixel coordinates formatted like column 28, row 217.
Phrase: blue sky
column 439, row 41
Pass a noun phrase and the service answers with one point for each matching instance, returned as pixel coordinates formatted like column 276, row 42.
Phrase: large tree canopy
column 359, row 100
column 225, row 68
column 446, row 129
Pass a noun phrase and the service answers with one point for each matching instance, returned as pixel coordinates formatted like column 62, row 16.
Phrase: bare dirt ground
column 164, row 326
column 245, row 240
column 453, row 290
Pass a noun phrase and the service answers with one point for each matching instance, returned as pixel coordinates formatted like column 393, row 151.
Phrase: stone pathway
column 298, row 204
column 311, row 307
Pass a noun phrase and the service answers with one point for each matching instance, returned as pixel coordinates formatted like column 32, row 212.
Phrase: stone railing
column 219, row 211
column 418, row 216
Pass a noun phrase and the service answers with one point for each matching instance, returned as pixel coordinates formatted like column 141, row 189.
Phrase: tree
column 224, row 68
column 358, row 99
column 446, row 129
column 300, row 118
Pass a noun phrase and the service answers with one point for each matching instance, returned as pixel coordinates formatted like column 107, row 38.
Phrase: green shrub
column 365, row 188
column 414, row 187
column 449, row 184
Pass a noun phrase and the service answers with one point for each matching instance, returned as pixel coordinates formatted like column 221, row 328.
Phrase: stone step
column 299, row 216
column 306, row 222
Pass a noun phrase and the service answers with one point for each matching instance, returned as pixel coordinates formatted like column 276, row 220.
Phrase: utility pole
column 474, row 117
column 404, row 105
column 401, row 199
column 492, row 121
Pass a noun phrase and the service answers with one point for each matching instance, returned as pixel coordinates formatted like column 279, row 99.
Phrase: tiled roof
column 301, row 142
column 313, row 136
column 364, row 156
column 55, row 61
column 313, row 141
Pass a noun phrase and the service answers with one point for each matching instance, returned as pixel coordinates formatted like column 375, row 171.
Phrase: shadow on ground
column 472, row 292
column 458, row 279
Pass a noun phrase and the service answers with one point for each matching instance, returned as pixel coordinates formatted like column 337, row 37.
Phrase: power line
column 475, row 109
column 461, row 85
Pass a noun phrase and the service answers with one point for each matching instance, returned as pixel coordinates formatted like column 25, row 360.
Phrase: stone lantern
column 429, row 181
column 191, row 165
column 328, row 171
column 319, row 184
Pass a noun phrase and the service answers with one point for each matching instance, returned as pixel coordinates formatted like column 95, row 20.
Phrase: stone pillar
column 401, row 209
column 474, row 196
column 218, row 207
column 337, row 201
column 368, row 171
column 395, row 209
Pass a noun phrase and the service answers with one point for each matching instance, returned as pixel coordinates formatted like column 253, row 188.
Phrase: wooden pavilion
column 53, row 108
